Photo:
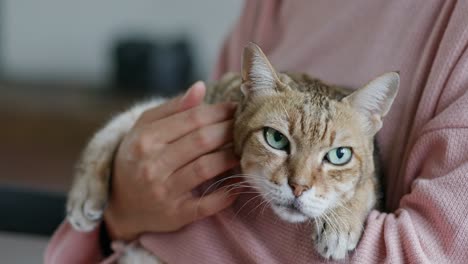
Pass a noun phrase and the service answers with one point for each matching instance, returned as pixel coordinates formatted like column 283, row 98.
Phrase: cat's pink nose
column 298, row 189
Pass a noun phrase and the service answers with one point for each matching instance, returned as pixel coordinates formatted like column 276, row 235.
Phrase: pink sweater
column 424, row 141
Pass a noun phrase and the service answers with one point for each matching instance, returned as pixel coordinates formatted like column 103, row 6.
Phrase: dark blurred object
column 144, row 66
column 30, row 211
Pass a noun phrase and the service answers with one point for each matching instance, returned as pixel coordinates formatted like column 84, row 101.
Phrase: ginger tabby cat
column 306, row 146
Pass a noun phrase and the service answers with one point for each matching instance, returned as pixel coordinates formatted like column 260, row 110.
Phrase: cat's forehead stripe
column 332, row 137
column 303, row 116
column 324, row 131
column 306, row 122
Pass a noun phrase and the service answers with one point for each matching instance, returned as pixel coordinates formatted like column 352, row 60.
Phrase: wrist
column 117, row 230
column 113, row 221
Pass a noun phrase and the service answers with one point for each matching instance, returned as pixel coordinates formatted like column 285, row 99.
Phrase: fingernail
column 197, row 83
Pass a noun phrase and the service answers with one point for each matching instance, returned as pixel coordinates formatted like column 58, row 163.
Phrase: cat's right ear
column 258, row 76
column 373, row 101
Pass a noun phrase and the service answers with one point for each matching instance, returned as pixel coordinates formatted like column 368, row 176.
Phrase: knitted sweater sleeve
column 431, row 223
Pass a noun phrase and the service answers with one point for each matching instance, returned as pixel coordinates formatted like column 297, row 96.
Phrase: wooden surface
column 42, row 132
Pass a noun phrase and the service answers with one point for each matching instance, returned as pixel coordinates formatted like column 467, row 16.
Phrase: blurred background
column 65, row 68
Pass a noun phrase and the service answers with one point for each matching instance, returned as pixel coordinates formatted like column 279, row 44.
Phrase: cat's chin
column 289, row 214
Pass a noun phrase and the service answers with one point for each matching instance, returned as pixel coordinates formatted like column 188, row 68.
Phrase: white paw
column 88, row 196
column 136, row 255
column 86, row 202
column 334, row 243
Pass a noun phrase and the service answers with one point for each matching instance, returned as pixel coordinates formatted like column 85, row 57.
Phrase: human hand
column 172, row 149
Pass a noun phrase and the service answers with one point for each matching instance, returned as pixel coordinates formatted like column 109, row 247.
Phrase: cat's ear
column 374, row 99
column 258, row 76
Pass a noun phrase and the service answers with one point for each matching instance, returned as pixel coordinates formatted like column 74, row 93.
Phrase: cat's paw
column 86, row 201
column 136, row 255
column 335, row 241
column 88, row 196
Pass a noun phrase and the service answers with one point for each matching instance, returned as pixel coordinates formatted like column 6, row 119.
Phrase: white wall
column 70, row 40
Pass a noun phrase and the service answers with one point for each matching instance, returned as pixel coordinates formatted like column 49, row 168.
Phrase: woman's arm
column 170, row 150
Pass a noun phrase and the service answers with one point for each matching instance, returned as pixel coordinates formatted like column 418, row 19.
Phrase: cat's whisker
column 241, row 185
column 351, row 214
column 240, row 193
column 330, row 223
column 214, row 185
column 265, row 206
column 245, row 175
column 240, row 176
column 315, row 220
column 336, row 224
column 263, row 202
column 240, row 190
column 251, row 199
column 309, row 222
column 339, row 221
column 267, row 201
column 229, row 191
column 342, row 203
column 235, row 186
column 243, row 188
column 355, row 219
column 323, row 221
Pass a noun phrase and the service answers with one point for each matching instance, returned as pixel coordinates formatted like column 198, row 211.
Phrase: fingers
column 193, row 97
column 202, row 169
column 195, row 144
column 178, row 125
column 198, row 208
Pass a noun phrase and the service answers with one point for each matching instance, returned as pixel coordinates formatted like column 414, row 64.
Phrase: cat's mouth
column 290, row 212
column 290, row 207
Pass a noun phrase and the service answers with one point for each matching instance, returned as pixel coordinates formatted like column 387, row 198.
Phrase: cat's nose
column 298, row 189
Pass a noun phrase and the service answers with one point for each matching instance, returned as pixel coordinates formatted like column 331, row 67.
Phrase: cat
column 309, row 145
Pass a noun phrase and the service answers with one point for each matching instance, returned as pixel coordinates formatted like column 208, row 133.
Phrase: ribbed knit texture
column 424, row 140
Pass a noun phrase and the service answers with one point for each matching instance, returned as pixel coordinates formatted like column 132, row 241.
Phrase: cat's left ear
column 258, row 76
column 374, row 99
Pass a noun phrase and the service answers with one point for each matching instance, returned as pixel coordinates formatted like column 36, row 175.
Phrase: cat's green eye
column 339, row 156
column 275, row 139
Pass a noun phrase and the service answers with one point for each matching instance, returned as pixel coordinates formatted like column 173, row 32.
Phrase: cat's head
column 305, row 146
